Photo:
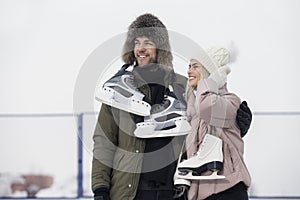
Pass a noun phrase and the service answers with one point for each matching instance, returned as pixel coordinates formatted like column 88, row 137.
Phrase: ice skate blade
column 132, row 105
column 190, row 176
column 147, row 129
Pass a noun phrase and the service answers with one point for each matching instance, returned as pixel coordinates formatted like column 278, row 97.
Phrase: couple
column 127, row 167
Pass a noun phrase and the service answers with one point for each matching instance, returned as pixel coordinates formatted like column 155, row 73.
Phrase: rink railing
column 79, row 118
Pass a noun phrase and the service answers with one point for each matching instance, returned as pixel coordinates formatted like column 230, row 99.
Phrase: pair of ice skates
column 162, row 120
column 209, row 157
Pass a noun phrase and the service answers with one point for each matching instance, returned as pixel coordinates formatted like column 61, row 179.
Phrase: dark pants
column 154, row 195
column 237, row 192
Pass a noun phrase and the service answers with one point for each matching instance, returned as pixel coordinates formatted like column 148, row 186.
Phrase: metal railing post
column 80, row 156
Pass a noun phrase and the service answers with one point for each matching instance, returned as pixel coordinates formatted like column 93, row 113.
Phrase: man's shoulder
column 182, row 80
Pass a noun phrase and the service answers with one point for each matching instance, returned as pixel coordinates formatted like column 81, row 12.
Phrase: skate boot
column 166, row 119
column 121, row 92
column 208, row 157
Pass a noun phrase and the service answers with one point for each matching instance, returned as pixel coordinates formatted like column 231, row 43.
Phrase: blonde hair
column 204, row 73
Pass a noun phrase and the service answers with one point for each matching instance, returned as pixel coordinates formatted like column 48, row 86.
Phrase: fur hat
column 149, row 26
column 212, row 59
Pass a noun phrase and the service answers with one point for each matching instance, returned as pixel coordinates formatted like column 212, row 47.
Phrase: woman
column 212, row 111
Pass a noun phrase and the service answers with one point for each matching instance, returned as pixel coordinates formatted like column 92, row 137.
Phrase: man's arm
column 105, row 143
column 244, row 118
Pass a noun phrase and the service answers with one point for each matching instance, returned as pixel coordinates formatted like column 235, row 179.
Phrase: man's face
column 144, row 51
column 194, row 73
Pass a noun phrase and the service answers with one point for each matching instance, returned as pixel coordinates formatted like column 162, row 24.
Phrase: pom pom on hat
column 225, row 54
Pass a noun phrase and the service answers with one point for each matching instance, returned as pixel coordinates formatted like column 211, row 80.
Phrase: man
column 126, row 167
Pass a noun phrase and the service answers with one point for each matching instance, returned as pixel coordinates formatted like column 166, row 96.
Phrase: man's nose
column 141, row 47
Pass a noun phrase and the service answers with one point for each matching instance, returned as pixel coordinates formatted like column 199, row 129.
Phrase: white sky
column 45, row 43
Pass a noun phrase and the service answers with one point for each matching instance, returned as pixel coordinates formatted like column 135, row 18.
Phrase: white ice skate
column 166, row 119
column 122, row 93
column 208, row 157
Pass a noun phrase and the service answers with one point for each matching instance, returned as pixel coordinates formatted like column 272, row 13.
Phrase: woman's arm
column 216, row 109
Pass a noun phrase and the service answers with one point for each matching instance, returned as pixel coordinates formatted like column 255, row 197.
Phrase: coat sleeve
column 216, row 109
column 105, row 142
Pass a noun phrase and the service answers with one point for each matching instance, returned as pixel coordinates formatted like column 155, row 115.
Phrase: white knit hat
column 220, row 55
column 212, row 59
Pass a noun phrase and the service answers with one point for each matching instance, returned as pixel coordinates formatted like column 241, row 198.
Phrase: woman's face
column 194, row 73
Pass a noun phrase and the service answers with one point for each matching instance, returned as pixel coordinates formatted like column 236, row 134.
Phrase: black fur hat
column 149, row 26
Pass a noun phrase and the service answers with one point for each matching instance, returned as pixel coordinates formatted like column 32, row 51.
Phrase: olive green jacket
column 118, row 154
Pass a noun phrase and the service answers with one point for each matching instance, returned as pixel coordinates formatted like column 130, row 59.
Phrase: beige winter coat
column 214, row 111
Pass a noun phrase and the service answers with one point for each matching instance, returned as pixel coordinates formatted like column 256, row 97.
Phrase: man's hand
column 101, row 194
column 180, row 192
column 244, row 118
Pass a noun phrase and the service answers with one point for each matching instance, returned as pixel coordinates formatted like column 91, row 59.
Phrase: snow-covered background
column 44, row 45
